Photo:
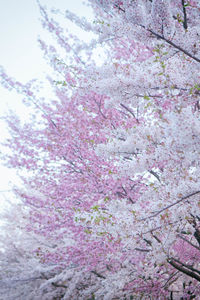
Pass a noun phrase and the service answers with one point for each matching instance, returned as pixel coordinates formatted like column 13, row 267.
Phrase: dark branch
column 169, row 282
column 142, row 250
column 155, row 175
column 98, row 275
column 185, row 16
column 130, row 111
column 197, row 235
column 117, row 6
column 147, row 241
column 165, row 39
column 184, row 239
column 59, row 285
column 186, row 269
column 172, row 44
column 156, row 238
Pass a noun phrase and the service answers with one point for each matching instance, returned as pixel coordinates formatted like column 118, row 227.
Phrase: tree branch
column 183, row 269
column 98, row 275
column 168, row 282
column 184, row 239
column 130, row 111
column 185, row 16
column 59, row 285
column 165, row 39
column 186, row 269
column 117, row 6
column 169, row 206
column 172, row 44
column 155, row 175
column 142, row 250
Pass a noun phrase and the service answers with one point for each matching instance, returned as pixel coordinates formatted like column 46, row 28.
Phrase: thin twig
column 130, row 111
column 167, row 283
column 98, row 275
column 169, row 206
column 184, row 239
column 142, row 250
column 155, row 175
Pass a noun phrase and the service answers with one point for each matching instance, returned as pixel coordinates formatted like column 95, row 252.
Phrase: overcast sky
column 20, row 54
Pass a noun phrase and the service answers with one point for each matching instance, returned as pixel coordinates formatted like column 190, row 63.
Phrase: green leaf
column 95, row 207
column 88, row 231
column 106, row 199
column 197, row 87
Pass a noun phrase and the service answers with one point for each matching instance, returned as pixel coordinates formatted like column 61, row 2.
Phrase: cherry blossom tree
column 110, row 165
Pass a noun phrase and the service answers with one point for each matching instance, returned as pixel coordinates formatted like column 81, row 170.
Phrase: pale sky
column 21, row 56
